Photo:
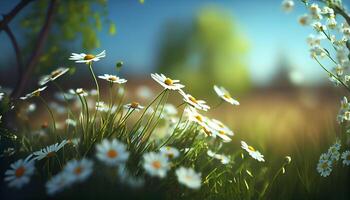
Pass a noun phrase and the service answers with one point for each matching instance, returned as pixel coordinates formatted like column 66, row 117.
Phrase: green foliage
column 209, row 48
column 74, row 23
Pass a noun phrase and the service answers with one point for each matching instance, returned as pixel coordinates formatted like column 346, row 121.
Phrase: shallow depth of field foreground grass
column 149, row 137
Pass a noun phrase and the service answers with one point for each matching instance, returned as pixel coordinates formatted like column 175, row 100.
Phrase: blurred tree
column 208, row 51
column 51, row 28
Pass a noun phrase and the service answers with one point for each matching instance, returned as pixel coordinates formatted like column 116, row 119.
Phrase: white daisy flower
column 133, row 106
column 79, row 91
column 319, row 27
column 333, row 150
column 166, row 82
column 113, row 79
column 198, row 104
column 86, row 58
column 346, row 157
column 194, row 116
column 215, row 133
column 19, row 173
column 188, row 177
column 252, row 152
column 287, row 5
column 156, row 164
column 324, row 167
column 49, row 151
column 223, row 159
column 214, row 130
column 58, row 183
column 225, row 95
column 331, row 23
column 79, row 170
column 53, row 76
column 112, row 153
column 170, row 152
column 35, row 93
column 221, row 128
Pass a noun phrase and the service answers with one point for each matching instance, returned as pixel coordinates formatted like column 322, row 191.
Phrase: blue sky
column 270, row 32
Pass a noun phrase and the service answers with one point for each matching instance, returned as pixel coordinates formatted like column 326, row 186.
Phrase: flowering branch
column 8, row 17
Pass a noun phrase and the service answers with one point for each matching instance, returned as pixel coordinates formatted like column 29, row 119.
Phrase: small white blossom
column 252, row 152
column 49, row 151
column 134, row 106
column 53, row 76
column 166, row 82
column 188, row 177
column 112, row 153
column 35, row 93
column 20, row 173
column 225, row 95
column 156, row 164
column 87, row 58
column 170, row 152
column 113, row 79
column 346, row 157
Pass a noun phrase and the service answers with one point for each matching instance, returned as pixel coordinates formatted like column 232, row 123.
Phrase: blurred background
column 252, row 48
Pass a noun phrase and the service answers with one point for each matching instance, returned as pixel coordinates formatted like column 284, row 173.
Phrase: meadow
column 149, row 138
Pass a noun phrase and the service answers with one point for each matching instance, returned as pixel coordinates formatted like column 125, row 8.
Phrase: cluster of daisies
column 112, row 153
column 331, row 28
column 115, row 154
column 331, row 157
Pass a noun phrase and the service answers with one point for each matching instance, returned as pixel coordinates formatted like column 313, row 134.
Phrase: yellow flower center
column 112, row 78
column 227, row 96
column 221, row 132
column 168, row 81
column 324, row 165
column 348, row 157
column 187, row 177
column 78, row 170
column 156, row 164
column 170, row 155
column 89, row 57
column 191, row 98
column 50, row 154
column 20, row 171
column 55, row 73
column 134, row 105
column 199, row 118
column 251, row 148
column 112, row 153
column 36, row 93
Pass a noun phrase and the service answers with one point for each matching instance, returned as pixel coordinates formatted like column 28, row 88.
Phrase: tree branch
column 17, row 52
column 8, row 17
column 342, row 12
column 33, row 59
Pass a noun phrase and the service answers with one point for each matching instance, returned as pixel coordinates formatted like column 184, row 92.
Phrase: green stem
column 97, row 89
column 50, row 112
column 331, row 74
